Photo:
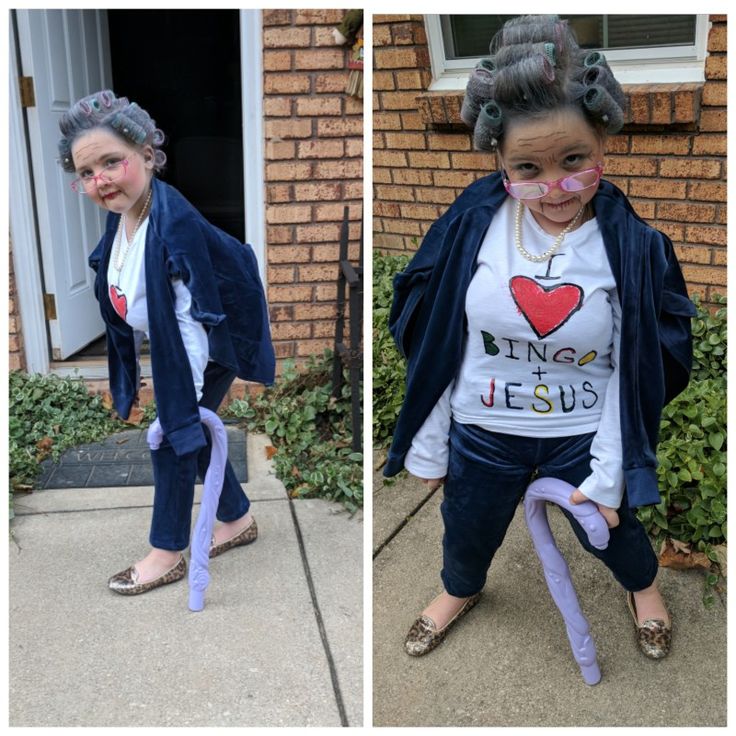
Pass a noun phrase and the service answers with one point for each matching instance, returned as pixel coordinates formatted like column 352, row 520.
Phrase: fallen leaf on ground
column 45, row 444
column 107, row 400
column 679, row 556
column 136, row 416
column 270, row 451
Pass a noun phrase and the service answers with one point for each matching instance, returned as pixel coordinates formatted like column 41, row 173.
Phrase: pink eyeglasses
column 110, row 172
column 576, row 182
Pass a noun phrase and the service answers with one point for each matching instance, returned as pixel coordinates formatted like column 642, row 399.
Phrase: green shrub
column 389, row 369
column 709, row 340
column 311, row 431
column 48, row 415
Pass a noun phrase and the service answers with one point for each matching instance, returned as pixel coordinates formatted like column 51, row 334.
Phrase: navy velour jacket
column 227, row 298
column 428, row 322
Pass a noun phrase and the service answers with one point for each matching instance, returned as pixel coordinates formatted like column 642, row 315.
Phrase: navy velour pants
column 175, row 475
column 487, row 475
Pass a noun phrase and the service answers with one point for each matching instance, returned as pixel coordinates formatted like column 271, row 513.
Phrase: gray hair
column 536, row 66
column 104, row 110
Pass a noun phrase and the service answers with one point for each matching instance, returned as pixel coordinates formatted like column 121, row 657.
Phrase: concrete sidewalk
column 279, row 642
column 508, row 662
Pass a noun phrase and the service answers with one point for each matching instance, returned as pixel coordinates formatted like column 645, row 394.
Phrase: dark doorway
column 183, row 67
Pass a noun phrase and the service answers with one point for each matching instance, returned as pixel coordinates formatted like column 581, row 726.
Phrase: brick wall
column 314, row 166
column 670, row 158
column 16, row 354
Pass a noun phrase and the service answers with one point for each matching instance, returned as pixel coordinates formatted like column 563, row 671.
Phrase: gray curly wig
column 104, row 110
column 537, row 66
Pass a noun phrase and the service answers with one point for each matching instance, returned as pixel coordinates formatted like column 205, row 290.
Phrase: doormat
column 124, row 459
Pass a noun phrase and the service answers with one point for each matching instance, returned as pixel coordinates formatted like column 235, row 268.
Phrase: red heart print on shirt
column 546, row 309
column 119, row 302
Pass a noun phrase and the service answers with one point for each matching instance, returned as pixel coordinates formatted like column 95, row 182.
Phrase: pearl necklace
column 118, row 260
column 553, row 248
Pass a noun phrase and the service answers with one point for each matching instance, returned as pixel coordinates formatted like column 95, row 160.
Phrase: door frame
column 23, row 231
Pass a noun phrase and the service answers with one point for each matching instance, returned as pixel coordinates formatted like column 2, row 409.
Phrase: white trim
column 630, row 66
column 23, row 232
column 251, row 65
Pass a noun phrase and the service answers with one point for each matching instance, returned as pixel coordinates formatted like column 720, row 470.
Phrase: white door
column 67, row 54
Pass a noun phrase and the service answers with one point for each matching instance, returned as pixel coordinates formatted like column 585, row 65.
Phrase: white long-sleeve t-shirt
column 127, row 294
column 541, row 351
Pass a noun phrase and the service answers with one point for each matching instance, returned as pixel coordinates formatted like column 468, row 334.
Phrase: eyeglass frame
column 550, row 185
column 80, row 182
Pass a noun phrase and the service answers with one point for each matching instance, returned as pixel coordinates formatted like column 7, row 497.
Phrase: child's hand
column 432, row 483
column 608, row 513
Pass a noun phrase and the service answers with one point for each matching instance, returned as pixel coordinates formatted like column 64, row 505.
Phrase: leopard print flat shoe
column 654, row 636
column 423, row 636
column 247, row 536
column 126, row 582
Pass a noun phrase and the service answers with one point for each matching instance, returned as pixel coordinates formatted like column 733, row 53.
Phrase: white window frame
column 631, row 66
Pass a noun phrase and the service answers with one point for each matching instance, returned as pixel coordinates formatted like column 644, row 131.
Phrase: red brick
column 414, row 79
column 402, row 226
column 281, row 274
column 704, row 234
column 323, row 329
column 315, row 311
column 289, row 172
column 350, row 169
column 704, row 274
column 277, row 106
column 353, row 147
column 381, row 176
column 331, row 82
column 322, row 105
column 617, row 144
column 386, row 121
column 717, row 40
column 381, row 36
column 276, row 17
column 438, row 142
column 715, row 67
column 714, row 94
column 379, row 142
column 325, row 292
column 390, row 158
column 354, row 189
column 420, row 211
column 396, row 58
column 290, row 330
column 322, row 37
column 321, row 149
column 435, row 195
column 386, row 209
column 399, row 101
column 317, row 233
column 320, row 59
column 686, row 106
column 693, row 254
column 319, row 192
column 334, row 212
column 631, row 165
column 276, row 149
column 16, row 362
column 279, row 234
column 282, row 214
column 672, row 144
column 674, row 231
column 412, row 121
column 283, row 350
column 286, row 83
column 661, row 107
column 383, row 81
column 686, row 212
column 404, row 194
column 289, row 294
column 720, row 256
column 276, row 193
column 318, row 273
column 280, row 38
column 314, row 347
column 289, row 254
column 319, row 17
column 478, row 161
column 454, row 178
column 658, row 188
column 388, row 241
column 411, row 176
column 436, row 160
column 276, row 61
column 707, row 191
column 643, row 208
column 288, row 128
column 712, row 120
column 415, row 141
column 340, row 127
column 639, row 107
column 709, row 144
column 354, row 106
column 690, row 168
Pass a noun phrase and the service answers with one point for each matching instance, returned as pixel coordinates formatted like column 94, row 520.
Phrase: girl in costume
column 544, row 325
column 165, row 272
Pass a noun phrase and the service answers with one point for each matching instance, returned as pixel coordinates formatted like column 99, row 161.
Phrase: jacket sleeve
column 675, row 327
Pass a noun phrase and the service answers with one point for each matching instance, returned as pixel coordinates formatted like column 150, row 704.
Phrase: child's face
column 547, row 149
column 98, row 148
